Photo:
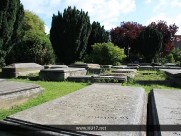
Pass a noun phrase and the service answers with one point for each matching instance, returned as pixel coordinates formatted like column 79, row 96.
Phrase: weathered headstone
column 15, row 93
column 60, row 74
column 98, row 104
column 164, row 112
column 20, row 69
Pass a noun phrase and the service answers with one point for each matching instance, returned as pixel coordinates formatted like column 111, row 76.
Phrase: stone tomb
column 15, row 93
column 174, row 76
column 61, row 74
column 124, row 70
column 20, row 69
column 55, row 66
column 164, row 112
column 91, row 68
column 97, row 104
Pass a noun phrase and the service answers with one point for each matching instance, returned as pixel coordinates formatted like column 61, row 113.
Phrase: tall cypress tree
column 69, row 34
column 11, row 16
column 98, row 35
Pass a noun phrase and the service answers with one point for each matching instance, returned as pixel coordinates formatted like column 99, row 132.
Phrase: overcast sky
column 111, row 12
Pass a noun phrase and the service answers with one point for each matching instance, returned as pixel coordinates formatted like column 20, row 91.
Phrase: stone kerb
column 15, row 93
column 164, row 112
column 98, row 104
column 20, row 69
column 61, row 74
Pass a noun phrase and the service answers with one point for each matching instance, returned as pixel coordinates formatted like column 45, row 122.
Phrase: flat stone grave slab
column 55, row 66
column 159, row 67
column 145, row 67
column 132, row 64
column 172, row 72
column 2, row 80
column 20, row 69
column 132, row 67
column 80, row 78
column 144, row 64
column 174, row 67
column 170, row 64
column 124, row 70
column 114, row 79
column 15, row 93
column 165, row 112
column 97, row 104
column 106, row 66
column 61, row 74
column 85, row 65
column 120, row 67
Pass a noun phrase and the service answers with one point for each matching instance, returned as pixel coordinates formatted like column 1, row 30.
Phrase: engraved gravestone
column 164, row 112
column 97, row 104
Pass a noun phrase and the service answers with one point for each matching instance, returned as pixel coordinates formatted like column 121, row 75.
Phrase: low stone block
column 145, row 67
column 15, row 93
column 98, row 104
column 60, row 74
column 85, row 65
column 106, row 66
column 164, row 112
column 55, row 66
column 120, row 67
column 124, row 70
column 20, row 69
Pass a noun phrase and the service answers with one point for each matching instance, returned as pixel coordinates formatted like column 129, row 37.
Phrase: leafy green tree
column 98, row 35
column 69, row 34
column 35, row 45
column 150, row 42
column 105, row 54
column 11, row 16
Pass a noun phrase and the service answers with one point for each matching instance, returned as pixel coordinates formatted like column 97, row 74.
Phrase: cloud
column 148, row 1
column 104, row 11
column 169, row 20
column 162, row 3
column 176, row 3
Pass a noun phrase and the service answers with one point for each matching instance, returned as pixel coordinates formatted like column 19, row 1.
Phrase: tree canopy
column 69, row 34
column 11, row 16
column 98, row 35
column 168, row 33
column 35, row 45
column 150, row 42
column 126, row 35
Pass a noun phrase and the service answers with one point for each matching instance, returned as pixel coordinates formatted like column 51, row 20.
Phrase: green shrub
column 105, row 54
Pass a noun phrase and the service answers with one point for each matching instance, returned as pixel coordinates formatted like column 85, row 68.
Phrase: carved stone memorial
column 95, row 105
column 164, row 112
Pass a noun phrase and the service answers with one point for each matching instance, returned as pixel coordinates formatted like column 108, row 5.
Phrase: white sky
column 111, row 12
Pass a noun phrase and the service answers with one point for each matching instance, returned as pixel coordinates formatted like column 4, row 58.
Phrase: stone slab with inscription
column 97, row 104
column 164, row 111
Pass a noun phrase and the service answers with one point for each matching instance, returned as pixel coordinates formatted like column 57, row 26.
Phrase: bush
column 105, row 54
column 33, row 48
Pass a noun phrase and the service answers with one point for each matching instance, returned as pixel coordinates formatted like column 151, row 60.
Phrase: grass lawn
column 53, row 90
column 150, row 75
column 148, row 88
